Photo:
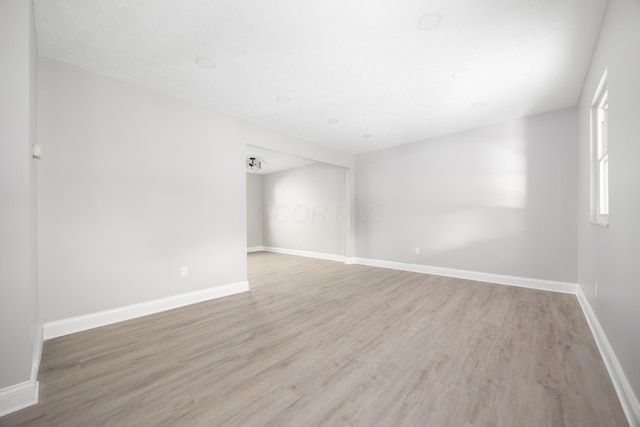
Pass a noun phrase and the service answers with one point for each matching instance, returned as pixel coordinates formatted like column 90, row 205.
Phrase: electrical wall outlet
column 417, row 251
column 184, row 272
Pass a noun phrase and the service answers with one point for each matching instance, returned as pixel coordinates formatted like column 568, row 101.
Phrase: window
column 600, row 154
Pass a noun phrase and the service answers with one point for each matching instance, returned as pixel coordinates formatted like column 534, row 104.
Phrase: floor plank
column 320, row 343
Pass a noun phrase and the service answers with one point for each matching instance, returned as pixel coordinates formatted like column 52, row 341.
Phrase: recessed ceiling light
column 429, row 21
column 283, row 99
column 333, row 121
column 204, row 62
column 461, row 74
column 479, row 105
column 367, row 135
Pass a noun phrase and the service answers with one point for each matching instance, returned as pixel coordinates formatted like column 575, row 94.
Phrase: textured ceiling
column 351, row 75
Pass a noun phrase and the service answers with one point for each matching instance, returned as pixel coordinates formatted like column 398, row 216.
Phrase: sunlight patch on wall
column 505, row 184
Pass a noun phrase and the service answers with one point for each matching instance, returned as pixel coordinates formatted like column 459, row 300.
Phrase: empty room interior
column 296, row 213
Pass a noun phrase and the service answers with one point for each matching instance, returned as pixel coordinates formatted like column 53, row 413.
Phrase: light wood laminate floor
column 322, row 343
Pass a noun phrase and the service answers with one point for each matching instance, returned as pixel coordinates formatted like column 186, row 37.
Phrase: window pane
column 603, row 201
column 599, row 129
column 605, row 129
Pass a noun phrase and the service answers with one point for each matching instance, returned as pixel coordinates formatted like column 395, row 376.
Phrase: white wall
column 611, row 255
column 19, row 320
column 304, row 209
column 133, row 185
column 498, row 199
column 254, row 210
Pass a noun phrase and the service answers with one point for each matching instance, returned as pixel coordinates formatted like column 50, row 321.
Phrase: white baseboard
column 628, row 399
column 72, row 325
column 20, row 396
column 255, row 249
column 308, row 254
column 523, row 282
column 37, row 353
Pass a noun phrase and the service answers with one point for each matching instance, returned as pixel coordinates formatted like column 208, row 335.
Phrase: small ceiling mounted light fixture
column 254, row 164
column 429, row 21
column 283, row 99
column 367, row 135
column 206, row 63
column 333, row 121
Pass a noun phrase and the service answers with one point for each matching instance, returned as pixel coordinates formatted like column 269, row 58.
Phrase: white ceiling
column 377, row 67
column 274, row 162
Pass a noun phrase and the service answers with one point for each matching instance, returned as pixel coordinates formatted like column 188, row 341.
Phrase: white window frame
column 600, row 154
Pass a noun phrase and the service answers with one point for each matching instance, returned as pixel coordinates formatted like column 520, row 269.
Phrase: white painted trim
column 37, row 352
column 18, row 397
column 523, row 282
column 308, row 254
column 72, row 325
column 349, row 261
column 255, row 249
column 628, row 399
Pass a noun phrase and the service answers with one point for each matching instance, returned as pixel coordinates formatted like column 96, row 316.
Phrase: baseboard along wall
column 628, row 399
column 307, row 254
column 523, row 282
column 72, row 325
column 20, row 396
